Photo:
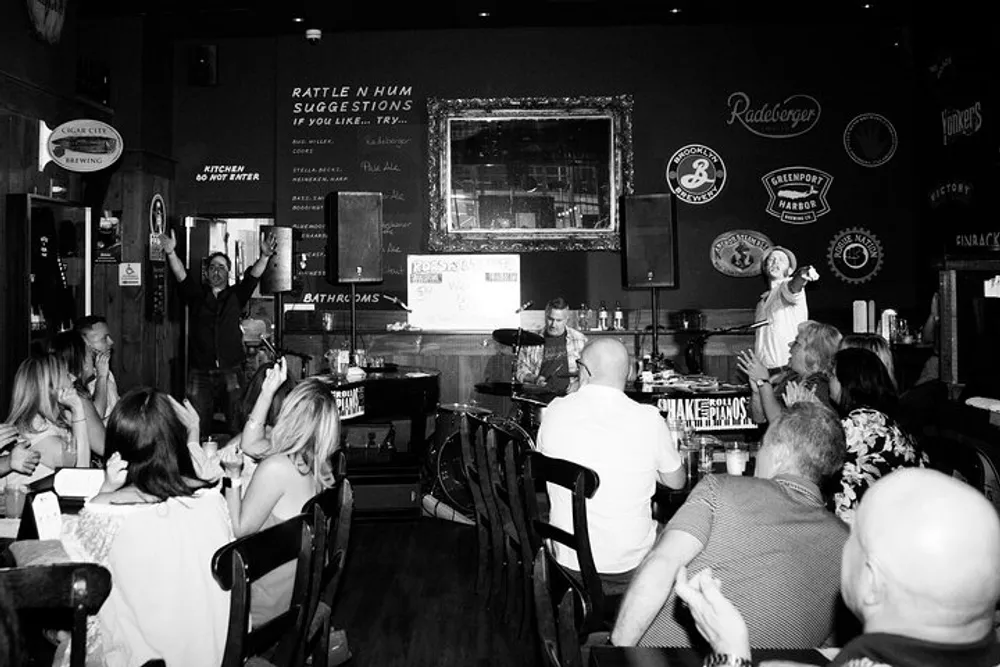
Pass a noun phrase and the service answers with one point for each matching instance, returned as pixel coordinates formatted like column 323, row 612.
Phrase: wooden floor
column 408, row 598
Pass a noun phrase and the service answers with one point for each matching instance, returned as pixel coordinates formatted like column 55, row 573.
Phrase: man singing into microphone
column 553, row 363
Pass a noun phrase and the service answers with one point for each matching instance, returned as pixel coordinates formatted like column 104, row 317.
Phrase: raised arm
column 254, row 430
column 268, row 247
column 169, row 244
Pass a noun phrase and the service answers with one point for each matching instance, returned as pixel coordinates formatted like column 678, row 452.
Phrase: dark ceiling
column 222, row 18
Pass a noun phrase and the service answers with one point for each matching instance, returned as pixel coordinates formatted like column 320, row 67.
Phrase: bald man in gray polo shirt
column 769, row 539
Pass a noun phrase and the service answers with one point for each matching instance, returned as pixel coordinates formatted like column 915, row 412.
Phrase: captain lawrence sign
column 705, row 413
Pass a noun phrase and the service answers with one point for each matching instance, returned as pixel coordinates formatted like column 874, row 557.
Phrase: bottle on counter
column 619, row 317
column 582, row 323
column 389, row 444
column 589, row 319
column 602, row 318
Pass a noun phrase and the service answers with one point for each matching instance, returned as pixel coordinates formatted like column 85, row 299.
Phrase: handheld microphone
column 525, row 306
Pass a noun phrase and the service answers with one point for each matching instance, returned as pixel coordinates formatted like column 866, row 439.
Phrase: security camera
column 314, row 35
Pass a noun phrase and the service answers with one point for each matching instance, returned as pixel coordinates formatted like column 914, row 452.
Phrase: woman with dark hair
column 155, row 525
column 863, row 391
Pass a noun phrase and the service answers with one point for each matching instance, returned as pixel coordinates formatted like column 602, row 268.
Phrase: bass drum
column 449, row 484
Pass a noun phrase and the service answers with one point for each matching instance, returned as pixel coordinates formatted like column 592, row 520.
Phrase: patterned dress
column 875, row 447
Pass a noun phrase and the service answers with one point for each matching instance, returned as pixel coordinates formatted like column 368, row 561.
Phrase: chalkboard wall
column 350, row 114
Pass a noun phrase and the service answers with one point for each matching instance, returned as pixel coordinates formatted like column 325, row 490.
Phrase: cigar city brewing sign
column 709, row 413
column 796, row 115
column 738, row 253
column 84, row 145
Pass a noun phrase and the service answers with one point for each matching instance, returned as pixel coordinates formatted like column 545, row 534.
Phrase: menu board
column 453, row 292
column 364, row 136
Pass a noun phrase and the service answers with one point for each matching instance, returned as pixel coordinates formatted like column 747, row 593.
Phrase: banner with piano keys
column 710, row 413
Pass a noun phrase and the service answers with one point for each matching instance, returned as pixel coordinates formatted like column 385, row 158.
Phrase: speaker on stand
column 649, row 248
column 354, row 244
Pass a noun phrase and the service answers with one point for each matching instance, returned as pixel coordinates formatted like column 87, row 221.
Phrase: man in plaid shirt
column 552, row 364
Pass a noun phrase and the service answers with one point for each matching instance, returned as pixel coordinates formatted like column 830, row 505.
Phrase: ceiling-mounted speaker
column 649, row 247
column 203, row 65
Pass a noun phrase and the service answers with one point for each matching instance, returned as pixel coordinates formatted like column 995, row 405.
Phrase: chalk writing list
column 350, row 137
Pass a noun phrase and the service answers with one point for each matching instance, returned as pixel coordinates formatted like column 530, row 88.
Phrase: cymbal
column 464, row 408
column 510, row 337
column 498, row 388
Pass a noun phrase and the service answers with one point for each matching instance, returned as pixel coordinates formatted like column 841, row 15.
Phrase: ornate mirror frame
column 600, row 234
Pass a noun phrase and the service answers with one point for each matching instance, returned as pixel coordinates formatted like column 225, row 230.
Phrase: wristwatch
column 726, row 660
column 231, row 483
column 759, row 382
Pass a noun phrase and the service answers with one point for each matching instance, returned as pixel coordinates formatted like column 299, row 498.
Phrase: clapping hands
column 797, row 392
column 716, row 618
column 752, row 366
column 189, row 417
column 115, row 473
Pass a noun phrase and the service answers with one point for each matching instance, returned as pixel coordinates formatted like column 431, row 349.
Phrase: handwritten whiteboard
column 463, row 291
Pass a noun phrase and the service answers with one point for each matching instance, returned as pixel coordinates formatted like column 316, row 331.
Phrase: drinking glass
column 13, row 497
column 737, row 456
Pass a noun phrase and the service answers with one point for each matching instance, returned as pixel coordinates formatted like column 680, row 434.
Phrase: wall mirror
column 529, row 173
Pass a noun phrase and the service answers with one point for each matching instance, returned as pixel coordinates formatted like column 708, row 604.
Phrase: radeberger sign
column 709, row 413
column 84, row 145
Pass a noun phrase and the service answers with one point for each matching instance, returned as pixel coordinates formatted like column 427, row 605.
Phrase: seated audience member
column 876, row 445
column 101, row 385
column 769, row 538
column 50, row 416
column 628, row 445
column 69, row 346
column 921, row 570
column 876, row 344
column 808, row 370
column 155, row 526
column 258, row 411
column 299, row 466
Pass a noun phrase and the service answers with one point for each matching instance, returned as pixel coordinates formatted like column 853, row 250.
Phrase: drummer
column 552, row 364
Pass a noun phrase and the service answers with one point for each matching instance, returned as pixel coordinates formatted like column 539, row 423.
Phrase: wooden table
column 640, row 656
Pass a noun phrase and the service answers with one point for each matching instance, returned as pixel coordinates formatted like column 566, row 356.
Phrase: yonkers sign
column 796, row 115
column 957, row 123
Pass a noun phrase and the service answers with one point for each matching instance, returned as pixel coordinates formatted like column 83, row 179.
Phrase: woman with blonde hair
column 53, row 417
column 808, row 371
column 299, row 465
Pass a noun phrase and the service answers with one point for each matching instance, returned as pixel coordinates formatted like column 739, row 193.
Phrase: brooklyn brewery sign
column 778, row 120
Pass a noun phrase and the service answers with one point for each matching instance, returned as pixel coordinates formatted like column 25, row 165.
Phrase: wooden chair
column 281, row 640
column 488, row 530
column 582, row 484
column 506, row 444
column 332, row 508
column 561, row 606
column 79, row 588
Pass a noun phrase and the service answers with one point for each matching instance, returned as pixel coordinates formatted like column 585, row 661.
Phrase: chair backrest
column 474, row 461
column 971, row 458
column 506, row 445
column 561, row 606
column 241, row 562
column 582, row 484
column 334, row 509
column 80, row 588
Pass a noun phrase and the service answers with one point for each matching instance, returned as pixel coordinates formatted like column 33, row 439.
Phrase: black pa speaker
column 649, row 247
column 277, row 277
column 354, row 237
column 203, row 65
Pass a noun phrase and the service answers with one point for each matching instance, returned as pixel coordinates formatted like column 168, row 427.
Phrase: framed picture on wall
column 523, row 174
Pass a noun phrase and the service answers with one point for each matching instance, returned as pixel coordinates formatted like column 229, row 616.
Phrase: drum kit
column 529, row 403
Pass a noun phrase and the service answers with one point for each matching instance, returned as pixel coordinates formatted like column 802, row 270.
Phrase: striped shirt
column 776, row 549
